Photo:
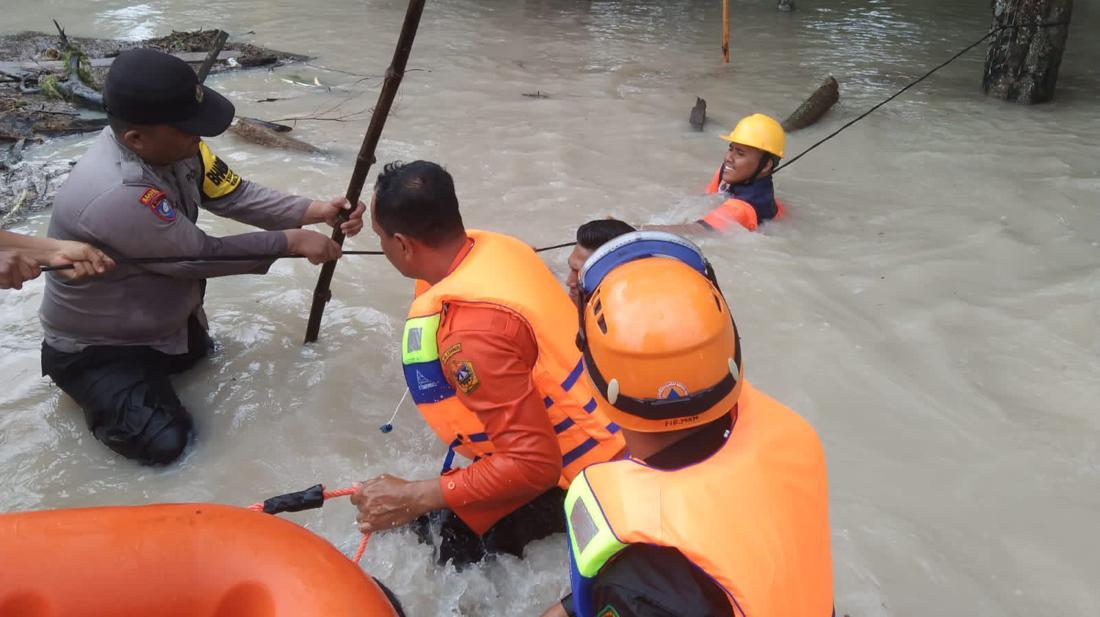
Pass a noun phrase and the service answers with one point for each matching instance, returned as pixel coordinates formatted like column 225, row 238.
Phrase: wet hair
column 594, row 234
column 418, row 200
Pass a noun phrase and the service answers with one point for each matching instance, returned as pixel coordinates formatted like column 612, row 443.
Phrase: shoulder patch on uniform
column 151, row 196
column 158, row 204
column 465, row 377
column 608, row 611
column 163, row 210
column 218, row 180
column 452, row 350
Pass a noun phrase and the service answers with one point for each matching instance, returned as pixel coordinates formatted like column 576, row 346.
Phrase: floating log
column 269, row 134
column 30, row 67
column 809, row 112
column 29, row 123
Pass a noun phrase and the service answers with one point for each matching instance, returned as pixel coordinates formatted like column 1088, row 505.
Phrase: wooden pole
column 725, row 31
column 322, row 294
column 212, row 57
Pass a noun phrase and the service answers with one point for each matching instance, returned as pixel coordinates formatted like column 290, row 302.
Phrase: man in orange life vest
column 722, row 506
column 490, row 360
column 745, row 178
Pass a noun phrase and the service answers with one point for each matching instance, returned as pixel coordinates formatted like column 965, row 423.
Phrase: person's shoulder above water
column 99, row 170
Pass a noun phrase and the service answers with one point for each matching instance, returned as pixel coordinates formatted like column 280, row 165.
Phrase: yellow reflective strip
column 418, row 342
column 590, row 536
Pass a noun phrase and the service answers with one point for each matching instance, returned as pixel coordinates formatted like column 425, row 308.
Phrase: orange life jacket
column 503, row 271
column 754, row 516
column 734, row 210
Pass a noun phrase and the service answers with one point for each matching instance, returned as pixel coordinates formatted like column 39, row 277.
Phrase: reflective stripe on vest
column 420, row 361
column 503, row 271
column 592, row 543
column 753, row 516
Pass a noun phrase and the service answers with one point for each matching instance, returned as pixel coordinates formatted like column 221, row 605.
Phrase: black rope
column 209, row 258
column 922, row 78
column 203, row 258
column 554, row 247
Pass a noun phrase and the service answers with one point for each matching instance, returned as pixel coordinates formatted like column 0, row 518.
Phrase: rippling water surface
column 932, row 304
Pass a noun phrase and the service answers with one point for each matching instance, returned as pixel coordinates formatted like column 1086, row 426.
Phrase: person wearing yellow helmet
column 745, row 179
column 721, row 507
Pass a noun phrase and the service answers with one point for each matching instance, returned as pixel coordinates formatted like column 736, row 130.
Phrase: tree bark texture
column 1023, row 59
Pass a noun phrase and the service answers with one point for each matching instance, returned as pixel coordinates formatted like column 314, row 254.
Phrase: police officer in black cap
column 112, row 341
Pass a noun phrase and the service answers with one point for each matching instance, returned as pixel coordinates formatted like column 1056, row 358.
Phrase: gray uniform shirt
column 129, row 208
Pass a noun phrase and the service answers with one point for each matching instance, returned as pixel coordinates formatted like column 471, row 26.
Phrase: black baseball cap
column 145, row 86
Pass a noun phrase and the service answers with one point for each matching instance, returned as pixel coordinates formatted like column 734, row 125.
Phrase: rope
column 917, row 81
column 206, row 258
column 556, row 246
column 343, row 492
column 388, row 426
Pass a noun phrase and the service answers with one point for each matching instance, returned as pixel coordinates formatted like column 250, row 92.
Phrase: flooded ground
column 931, row 305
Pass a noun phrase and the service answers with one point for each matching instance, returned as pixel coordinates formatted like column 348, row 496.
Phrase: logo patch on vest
column 452, row 350
column 608, row 611
column 423, row 382
column 465, row 377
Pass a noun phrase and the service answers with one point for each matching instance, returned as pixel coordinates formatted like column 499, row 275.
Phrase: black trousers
column 127, row 398
column 541, row 517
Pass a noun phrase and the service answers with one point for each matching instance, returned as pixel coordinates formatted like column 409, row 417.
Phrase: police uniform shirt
column 129, row 208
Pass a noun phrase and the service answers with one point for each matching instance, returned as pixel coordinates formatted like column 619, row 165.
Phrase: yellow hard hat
column 660, row 347
column 758, row 131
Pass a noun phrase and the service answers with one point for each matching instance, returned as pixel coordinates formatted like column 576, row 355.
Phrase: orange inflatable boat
column 175, row 560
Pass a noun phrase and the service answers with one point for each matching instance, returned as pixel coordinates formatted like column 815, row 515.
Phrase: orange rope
column 343, row 492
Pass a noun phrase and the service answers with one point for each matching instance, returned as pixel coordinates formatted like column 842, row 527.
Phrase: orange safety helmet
column 660, row 346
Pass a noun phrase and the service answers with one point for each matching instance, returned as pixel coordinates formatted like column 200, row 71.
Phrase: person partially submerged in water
column 745, row 177
column 591, row 236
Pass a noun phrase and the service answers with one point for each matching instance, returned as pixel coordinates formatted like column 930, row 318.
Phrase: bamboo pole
column 725, row 31
column 322, row 294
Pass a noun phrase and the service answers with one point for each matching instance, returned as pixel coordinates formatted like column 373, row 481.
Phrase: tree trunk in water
column 1022, row 62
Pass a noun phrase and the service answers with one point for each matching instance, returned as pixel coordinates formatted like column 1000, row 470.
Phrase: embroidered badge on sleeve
column 465, row 377
column 158, row 204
